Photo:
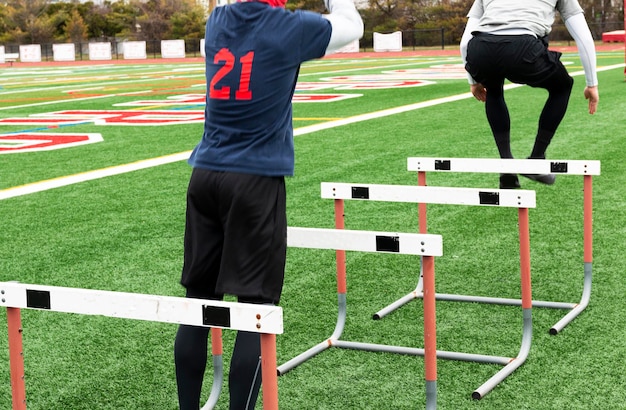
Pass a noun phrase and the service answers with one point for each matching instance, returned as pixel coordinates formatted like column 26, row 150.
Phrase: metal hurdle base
column 585, row 168
column 510, row 363
column 575, row 309
column 218, row 379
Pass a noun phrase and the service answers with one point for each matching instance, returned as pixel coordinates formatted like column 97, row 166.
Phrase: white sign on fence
column 2, row 61
column 100, row 51
column 64, row 52
column 173, row 48
column 30, row 53
column 202, row 52
column 388, row 42
column 134, row 50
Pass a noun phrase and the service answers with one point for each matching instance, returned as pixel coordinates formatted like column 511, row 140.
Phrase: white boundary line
column 181, row 156
column 90, row 175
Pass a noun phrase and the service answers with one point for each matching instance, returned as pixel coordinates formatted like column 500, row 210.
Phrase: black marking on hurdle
column 215, row 316
column 360, row 192
column 558, row 167
column 37, row 299
column 442, row 164
column 387, row 243
column 489, row 198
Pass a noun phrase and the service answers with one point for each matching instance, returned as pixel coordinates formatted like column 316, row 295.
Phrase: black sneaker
column 509, row 181
column 547, row 179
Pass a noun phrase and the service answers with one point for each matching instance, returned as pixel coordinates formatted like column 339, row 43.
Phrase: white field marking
column 74, row 99
column 104, row 83
column 606, row 68
column 52, row 80
column 385, row 113
column 91, row 175
column 79, row 90
column 152, row 79
column 383, row 67
column 398, row 110
column 336, row 62
column 57, row 101
column 181, row 156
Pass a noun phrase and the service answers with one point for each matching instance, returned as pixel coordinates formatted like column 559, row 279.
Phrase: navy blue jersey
column 253, row 56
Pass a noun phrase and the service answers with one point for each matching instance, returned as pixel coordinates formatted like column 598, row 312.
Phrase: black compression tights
column 559, row 88
column 190, row 356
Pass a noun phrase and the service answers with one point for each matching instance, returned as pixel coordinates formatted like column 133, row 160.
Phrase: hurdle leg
column 340, row 256
column 16, row 356
column 419, row 288
column 218, row 368
column 268, row 371
column 320, row 347
column 524, row 240
column 588, row 257
column 430, row 333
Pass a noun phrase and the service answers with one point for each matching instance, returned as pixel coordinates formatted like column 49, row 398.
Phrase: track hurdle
column 427, row 246
column 520, row 199
column 341, row 240
column 520, row 166
column 264, row 319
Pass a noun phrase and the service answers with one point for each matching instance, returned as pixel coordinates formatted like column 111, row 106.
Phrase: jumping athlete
column 236, row 225
column 508, row 39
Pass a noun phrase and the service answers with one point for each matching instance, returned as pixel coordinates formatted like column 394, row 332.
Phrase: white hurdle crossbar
column 264, row 319
column 424, row 245
column 520, row 199
column 587, row 169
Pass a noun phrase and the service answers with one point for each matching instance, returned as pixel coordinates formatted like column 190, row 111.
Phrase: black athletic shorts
column 522, row 59
column 235, row 236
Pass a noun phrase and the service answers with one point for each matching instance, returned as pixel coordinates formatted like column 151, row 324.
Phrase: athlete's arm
column 472, row 24
column 577, row 27
column 346, row 24
column 579, row 30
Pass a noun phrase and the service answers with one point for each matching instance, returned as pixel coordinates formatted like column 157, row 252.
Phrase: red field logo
column 32, row 141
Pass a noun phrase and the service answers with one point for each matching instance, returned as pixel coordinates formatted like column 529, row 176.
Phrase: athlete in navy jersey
column 251, row 74
column 236, row 225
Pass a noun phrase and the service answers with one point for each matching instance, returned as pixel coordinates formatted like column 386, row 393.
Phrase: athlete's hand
column 479, row 92
column 591, row 94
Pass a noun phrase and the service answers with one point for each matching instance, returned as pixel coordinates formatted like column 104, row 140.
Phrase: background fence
column 411, row 40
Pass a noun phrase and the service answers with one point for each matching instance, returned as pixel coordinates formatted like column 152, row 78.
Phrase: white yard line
column 383, row 67
column 90, row 175
column 181, row 156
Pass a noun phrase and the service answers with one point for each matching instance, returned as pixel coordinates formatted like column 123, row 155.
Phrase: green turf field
column 124, row 232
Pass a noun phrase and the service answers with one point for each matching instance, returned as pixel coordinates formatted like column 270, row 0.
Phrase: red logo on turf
column 33, row 141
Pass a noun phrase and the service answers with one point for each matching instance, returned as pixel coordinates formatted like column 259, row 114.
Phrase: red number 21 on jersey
column 229, row 60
